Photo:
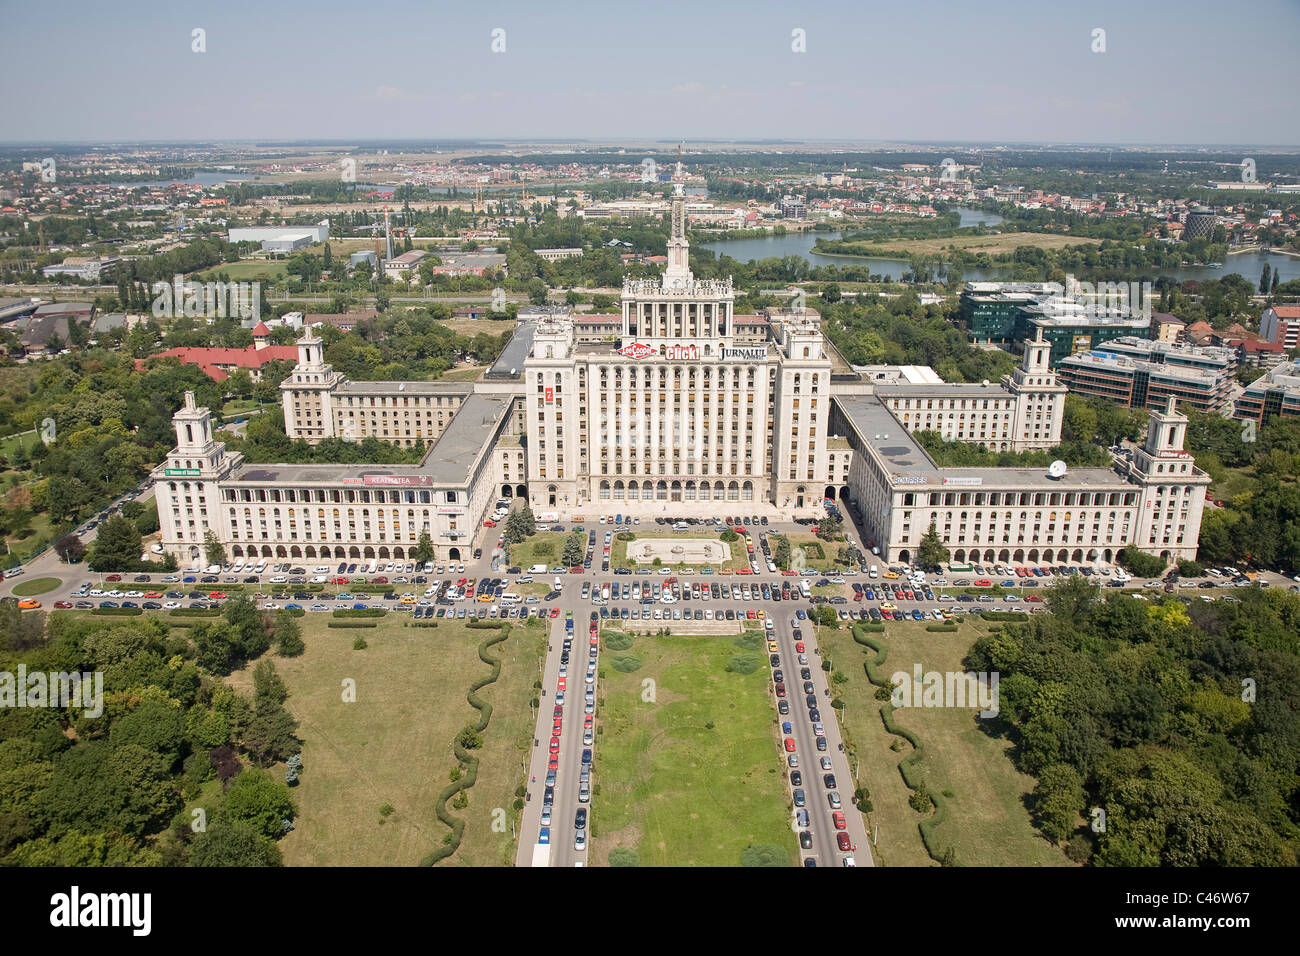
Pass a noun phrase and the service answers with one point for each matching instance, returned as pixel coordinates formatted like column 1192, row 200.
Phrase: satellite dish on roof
column 1056, row 469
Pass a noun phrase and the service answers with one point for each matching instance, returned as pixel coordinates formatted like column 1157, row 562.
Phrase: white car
column 172, row 605
column 13, row 572
column 212, row 569
column 318, row 579
column 279, row 579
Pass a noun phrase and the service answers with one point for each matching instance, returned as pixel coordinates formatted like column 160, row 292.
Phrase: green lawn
column 36, row 586
column 28, row 439
column 525, row 553
column 987, row 822
column 392, row 746
column 817, row 554
column 696, row 776
column 248, row 270
column 467, row 373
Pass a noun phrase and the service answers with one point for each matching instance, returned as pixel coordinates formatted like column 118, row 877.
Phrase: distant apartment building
column 1166, row 327
column 92, row 270
column 406, row 262
column 555, row 255
column 793, row 207
column 1141, row 373
column 1280, row 324
column 1274, row 394
column 280, row 238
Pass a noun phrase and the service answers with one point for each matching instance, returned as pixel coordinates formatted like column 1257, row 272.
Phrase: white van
column 874, row 572
column 510, row 599
column 538, row 569
column 559, row 583
column 681, row 526
column 805, row 590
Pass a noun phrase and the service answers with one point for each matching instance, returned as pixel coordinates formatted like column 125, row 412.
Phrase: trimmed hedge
column 941, row 628
column 466, row 757
column 421, row 624
column 118, row 611
column 352, row 624
column 194, row 612
column 485, row 624
column 1004, row 615
column 343, row 612
column 873, row 627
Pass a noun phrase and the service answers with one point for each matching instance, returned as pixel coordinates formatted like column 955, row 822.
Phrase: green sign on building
column 181, row 472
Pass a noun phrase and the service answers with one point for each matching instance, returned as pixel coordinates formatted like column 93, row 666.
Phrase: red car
column 489, row 523
column 837, row 817
column 380, row 580
column 789, row 572
column 555, row 731
column 562, row 684
column 113, row 577
column 338, row 581
column 780, row 690
column 984, row 583
column 844, row 841
column 815, row 529
column 745, row 571
column 216, row 595
column 555, row 612
column 576, row 569
column 586, row 724
column 553, row 763
column 559, row 712
column 63, row 604
column 153, row 594
column 1033, row 599
column 798, row 647
column 555, row 745
column 789, row 745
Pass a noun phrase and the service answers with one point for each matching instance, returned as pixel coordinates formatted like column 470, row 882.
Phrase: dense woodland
column 119, row 789
column 1180, row 723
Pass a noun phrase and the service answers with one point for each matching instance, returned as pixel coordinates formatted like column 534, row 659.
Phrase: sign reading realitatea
column 403, row 481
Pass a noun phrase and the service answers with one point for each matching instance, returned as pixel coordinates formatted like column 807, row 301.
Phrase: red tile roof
column 260, row 330
column 1287, row 311
column 212, row 360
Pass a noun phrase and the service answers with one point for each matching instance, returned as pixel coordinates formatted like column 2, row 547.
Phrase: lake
column 1249, row 265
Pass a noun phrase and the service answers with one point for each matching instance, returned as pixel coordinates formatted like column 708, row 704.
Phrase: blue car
column 787, row 728
column 189, row 578
column 917, row 615
column 293, row 607
column 544, row 836
column 799, row 613
column 1009, row 583
column 358, row 606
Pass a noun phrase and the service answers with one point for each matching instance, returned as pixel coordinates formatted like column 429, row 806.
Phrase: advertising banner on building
column 400, row 481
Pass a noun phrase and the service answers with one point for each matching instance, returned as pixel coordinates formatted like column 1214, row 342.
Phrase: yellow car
column 888, row 607
column 771, row 647
column 890, row 574
column 30, row 604
column 486, row 598
column 760, row 614
column 408, row 600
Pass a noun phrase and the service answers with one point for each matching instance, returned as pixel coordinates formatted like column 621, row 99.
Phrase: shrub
column 624, row 856
column 750, row 641
column 1140, row 563
column 342, row 612
column 764, row 854
column 359, row 644
column 347, row 624
column 941, row 628
column 118, row 611
column 626, row 663
column 618, row 641
column 1004, row 615
column 744, row 664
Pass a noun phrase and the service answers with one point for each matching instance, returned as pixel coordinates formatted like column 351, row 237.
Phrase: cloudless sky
column 1194, row 72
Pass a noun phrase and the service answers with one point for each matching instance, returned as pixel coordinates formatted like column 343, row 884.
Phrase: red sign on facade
column 550, row 396
column 638, row 350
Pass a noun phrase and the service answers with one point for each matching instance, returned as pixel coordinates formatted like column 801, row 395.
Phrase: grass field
column 392, row 746
column 36, row 586
column 247, row 270
column 525, row 554
column 987, row 822
column 694, row 777
column 992, row 244
column 492, row 327
column 466, row 373
column 618, row 549
column 9, row 445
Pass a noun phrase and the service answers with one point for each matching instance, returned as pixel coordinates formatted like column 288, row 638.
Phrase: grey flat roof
column 945, row 389
column 513, row 355
column 887, row 437
column 452, row 457
column 405, row 388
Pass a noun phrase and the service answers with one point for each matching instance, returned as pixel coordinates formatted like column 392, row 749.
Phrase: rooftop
column 510, row 363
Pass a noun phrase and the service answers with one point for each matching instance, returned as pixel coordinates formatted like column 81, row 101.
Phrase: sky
column 1185, row 73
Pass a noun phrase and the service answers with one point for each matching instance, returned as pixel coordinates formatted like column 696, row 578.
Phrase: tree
column 270, row 736
column 269, row 691
column 825, row 615
column 932, row 553
column 1140, row 563
column 213, row 550
column 1264, row 280
column 288, row 635
column 232, row 843
column 831, row 293
column 781, row 555
column 70, row 548
column 574, row 550
column 829, row 527
column 258, row 800
column 117, row 546
column 424, row 549
column 520, row 525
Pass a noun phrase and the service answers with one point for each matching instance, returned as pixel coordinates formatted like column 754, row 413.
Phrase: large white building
column 678, row 406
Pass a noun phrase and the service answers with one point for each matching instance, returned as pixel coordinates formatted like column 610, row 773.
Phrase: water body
column 1249, row 265
column 198, row 179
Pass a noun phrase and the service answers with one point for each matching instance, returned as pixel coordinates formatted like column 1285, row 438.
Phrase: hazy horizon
column 1172, row 74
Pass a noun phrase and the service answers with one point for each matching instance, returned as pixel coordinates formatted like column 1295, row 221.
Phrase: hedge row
column 485, row 624
column 118, row 611
column 352, row 624
column 941, row 628
column 414, row 623
column 873, row 627
column 1004, row 615
column 466, row 757
column 194, row 612
column 340, row 612
column 908, row 768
